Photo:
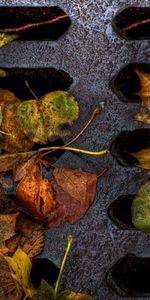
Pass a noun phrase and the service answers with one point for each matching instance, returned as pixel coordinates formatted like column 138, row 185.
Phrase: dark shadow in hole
column 120, row 212
column 41, row 81
column 43, row 268
column 129, row 277
column 126, row 84
column 14, row 17
column 128, row 142
column 123, row 23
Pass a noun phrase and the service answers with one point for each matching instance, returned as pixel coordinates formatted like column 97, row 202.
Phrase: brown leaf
column 143, row 158
column 7, row 97
column 8, row 161
column 7, row 205
column 21, row 169
column 74, row 193
column 13, row 243
column 35, row 194
column 8, row 285
column 7, row 225
column 144, row 114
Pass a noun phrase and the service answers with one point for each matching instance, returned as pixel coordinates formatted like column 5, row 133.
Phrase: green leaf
column 68, row 295
column 21, row 266
column 7, row 38
column 51, row 118
column 141, row 208
column 45, row 292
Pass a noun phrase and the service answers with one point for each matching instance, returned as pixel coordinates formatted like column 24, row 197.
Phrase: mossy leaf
column 141, row 208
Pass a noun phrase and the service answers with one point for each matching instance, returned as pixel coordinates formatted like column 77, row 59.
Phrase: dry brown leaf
column 35, row 194
column 7, row 225
column 144, row 114
column 143, row 157
column 8, row 161
column 7, row 97
column 8, row 285
column 74, row 193
column 12, row 244
column 21, row 169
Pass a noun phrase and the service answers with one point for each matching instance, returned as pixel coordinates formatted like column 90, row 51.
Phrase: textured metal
column 91, row 53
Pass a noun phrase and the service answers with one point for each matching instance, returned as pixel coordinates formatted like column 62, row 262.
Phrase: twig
column 134, row 25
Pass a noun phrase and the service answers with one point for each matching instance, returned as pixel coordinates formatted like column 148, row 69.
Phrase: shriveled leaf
column 7, row 284
column 74, row 193
column 21, row 266
column 44, row 292
column 141, row 208
column 143, row 158
column 35, row 194
column 13, row 243
column 21, row 169
column 7, row 97
column 7, row 225
column 8, row 161
column 15, row 139
column 31, row 235
column 6, row 38
column 50, row 117
column 144, row 114
column 68, row 295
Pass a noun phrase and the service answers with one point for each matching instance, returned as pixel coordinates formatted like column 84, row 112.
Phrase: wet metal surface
column 91, row 53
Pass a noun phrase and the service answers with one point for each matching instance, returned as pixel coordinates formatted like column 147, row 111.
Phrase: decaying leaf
column 48, row 118
column 20, row 266
column 7, row 205
column 74, row 192
column 141, row 208
column 8, row 161
column 143, row 158
column 7, row 225
column 144, row 114
column 69, row 295
column 8, row 286
column 35, row 194
column 7, row 38
column 21, row 169
column 44, row 292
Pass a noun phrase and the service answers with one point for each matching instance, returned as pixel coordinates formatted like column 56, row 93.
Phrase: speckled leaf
column 7, row 38
column 50, row 117
column 141, row 208
column 69, row 295
column 143, row 158
column 35, row 194
column 144, row 114
column 74, row 192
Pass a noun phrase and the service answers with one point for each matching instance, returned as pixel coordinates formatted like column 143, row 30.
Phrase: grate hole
column 15, row 17
column 129, row 142
column 126, row 84
column 120, row 212
column 129, row 277
column 133, row 23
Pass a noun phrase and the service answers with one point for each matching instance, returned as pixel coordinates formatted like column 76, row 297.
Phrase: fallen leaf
column 35, row 194
column 141, row 208
column 7, row 205
column 21, row 169
column 12, row 244
column 7, row 38
column 15, row 139
column 7, row 97
column 48, row 118
column 21, row 266
column 74, row 192
column 144, row 114
column 8, row 286
column 44, row 292
column 143, row 158
column 31, row 235
column 8, row 161
column 69, row 295
column 7, row 225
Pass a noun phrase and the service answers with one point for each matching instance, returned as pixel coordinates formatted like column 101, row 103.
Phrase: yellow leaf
column 144, row 114
column 21, row 265
column 143, row 158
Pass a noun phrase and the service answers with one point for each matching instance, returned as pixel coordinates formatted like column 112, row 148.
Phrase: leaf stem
column 70, row 240
column 30, row 90
column 94, row 114
column 101, row 152
column 5, row 133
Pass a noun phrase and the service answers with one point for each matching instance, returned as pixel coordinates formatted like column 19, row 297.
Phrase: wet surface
column 92, row 54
